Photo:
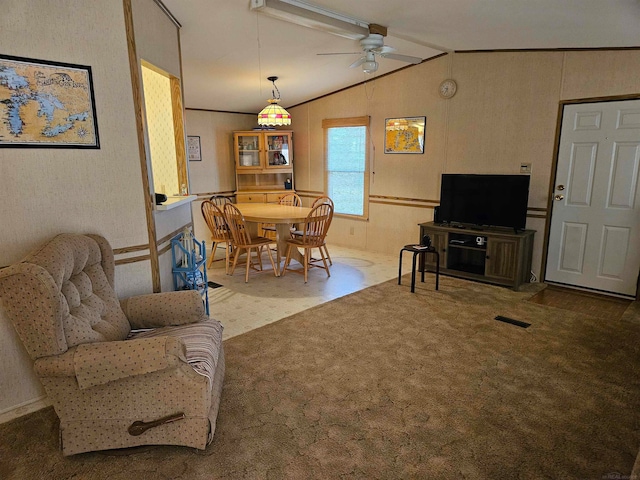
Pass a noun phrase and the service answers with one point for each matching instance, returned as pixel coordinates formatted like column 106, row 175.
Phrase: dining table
column 282, row 216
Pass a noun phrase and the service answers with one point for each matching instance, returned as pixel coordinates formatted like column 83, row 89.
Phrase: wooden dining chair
column 291, row 199
column 298, row 233
column 314, row 231
column 220, row 233
column 242, row 240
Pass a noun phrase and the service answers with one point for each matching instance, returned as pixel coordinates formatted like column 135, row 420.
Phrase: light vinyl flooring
column 266, row 298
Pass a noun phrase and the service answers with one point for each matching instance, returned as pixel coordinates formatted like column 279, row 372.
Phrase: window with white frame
column 346, row 164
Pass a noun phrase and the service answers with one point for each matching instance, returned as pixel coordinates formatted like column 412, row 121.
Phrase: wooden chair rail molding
column 403, row 201
column 207, row 195
column 413, row 202
column 134, row 248
column 166, row 241
column 140, row 258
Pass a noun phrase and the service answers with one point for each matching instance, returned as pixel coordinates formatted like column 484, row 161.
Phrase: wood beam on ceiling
column 379, row 29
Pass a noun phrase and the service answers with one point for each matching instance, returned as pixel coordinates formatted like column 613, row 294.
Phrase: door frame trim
column 554, row 171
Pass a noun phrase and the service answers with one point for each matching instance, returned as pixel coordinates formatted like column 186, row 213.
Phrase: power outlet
column 525, row 168
column 352, row 231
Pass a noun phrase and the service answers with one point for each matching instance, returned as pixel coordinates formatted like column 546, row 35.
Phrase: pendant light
column 274, row 114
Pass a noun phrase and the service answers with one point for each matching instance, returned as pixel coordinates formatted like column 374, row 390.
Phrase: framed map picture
column 193, row 148
column 46, row 104
column 404, row 135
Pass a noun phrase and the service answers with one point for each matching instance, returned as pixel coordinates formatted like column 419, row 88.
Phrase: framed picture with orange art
column 404, row 135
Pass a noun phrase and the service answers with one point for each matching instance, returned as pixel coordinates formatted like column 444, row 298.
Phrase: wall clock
column 448, row 88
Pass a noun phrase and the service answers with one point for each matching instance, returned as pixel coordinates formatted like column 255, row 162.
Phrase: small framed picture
column 404, row 135
column 193, row 147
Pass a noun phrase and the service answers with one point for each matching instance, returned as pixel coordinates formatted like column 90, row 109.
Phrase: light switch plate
column 525, row 168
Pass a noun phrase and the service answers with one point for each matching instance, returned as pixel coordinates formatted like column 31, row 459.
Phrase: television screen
column 491, row 200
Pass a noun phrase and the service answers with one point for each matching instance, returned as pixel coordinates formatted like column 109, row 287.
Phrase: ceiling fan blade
column 360, row 61
column 340, row 53
column 402, row 58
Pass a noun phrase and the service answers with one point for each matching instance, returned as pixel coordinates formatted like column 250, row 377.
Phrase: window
column 347, row 166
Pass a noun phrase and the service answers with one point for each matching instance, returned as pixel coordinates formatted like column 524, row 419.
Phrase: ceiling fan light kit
column 369, row 67
column 369, row 64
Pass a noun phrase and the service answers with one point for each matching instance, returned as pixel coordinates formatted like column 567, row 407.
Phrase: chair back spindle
column 219, row 200
column 291, row 199
column 237, row 225
column 215, row 219
column 317, row 224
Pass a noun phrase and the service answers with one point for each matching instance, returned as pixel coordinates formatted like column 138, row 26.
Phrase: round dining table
column 283, row 216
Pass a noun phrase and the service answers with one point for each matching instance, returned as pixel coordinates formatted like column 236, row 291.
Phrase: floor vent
column 213, row 285
column 512, row 321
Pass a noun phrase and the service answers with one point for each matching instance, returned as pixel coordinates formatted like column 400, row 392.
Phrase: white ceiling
column 229, row 51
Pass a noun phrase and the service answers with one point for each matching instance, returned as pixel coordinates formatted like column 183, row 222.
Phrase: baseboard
column 25, row 408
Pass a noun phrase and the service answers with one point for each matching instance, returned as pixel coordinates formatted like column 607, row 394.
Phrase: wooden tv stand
column 502, row 256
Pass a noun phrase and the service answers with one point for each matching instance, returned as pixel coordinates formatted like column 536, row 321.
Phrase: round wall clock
column 448, row 88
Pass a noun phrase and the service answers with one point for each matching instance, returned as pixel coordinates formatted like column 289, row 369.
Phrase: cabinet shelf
column 467, row 247
column 467, row 268
column 263, row 188
column 264, row 163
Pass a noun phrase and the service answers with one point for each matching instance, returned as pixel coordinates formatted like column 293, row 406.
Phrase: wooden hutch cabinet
column 264, row 165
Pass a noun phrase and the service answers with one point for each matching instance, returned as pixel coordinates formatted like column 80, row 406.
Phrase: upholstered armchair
column 144, row 371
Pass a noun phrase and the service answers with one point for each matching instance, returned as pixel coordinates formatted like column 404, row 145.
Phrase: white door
column 594, row 238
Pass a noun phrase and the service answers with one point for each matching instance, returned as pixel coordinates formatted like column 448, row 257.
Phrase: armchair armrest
column 56, row 365
column 163, row 309
column 104, row 362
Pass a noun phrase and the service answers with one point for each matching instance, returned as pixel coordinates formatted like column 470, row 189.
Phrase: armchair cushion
column 164, row 309
column 71, row 298
column 101, row 363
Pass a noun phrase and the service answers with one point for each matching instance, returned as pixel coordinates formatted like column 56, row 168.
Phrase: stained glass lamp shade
column 274, row 114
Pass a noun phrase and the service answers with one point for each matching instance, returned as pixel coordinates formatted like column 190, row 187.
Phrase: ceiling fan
column 373, row 45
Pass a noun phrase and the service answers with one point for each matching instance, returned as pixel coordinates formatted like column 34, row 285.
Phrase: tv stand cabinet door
column 439, row 241
column 501, row 263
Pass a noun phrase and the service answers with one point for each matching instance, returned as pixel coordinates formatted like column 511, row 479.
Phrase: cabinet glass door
column 278, row 154
column 248, row 150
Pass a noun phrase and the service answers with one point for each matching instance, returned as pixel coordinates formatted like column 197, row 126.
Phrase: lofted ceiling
column 228, row 51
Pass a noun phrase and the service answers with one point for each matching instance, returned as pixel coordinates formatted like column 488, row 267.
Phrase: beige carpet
column 385, row 384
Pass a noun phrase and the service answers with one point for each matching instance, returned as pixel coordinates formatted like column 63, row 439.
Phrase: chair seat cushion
column 203, row 341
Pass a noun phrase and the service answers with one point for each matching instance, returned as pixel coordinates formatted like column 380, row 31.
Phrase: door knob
column 560, row 187
column 559, row 197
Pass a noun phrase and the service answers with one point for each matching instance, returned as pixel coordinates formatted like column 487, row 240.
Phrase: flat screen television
column 484, row 200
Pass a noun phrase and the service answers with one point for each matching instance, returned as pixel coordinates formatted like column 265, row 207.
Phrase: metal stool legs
column 416, row 252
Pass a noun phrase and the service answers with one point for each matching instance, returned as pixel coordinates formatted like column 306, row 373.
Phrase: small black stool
column 419, row 250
